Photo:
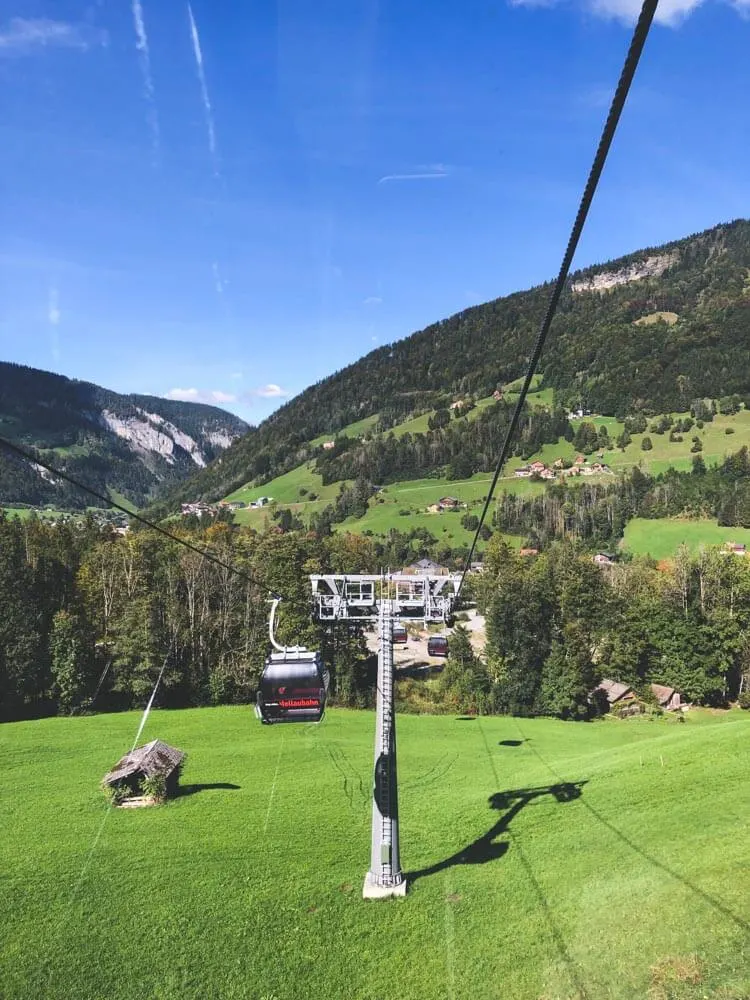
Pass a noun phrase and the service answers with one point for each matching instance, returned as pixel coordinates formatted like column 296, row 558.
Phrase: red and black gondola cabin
column 399, row 633
column 293, row 688
column 437, row 645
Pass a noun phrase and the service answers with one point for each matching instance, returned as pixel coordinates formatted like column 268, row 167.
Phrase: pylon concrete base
column 371, row 889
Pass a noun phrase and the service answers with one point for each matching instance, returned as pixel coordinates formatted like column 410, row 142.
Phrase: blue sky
column 228, row 201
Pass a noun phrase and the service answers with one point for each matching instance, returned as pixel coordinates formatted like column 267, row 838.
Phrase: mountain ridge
column 130, row 443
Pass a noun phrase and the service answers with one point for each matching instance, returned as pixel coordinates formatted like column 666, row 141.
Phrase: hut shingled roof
column 614, row 690
column 663, row 693
column 152, row 758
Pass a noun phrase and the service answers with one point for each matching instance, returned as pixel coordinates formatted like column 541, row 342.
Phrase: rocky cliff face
column 151, row 433
column 652, row 267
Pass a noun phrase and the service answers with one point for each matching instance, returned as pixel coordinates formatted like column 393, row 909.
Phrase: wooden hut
column 669, row 699
column 155, row 759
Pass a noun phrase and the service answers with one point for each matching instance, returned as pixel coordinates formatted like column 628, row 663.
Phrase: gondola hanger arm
column 272, row 618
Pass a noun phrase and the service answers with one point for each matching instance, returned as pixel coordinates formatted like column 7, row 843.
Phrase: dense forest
column 64, row 422
column 462, row 446
column 628, row 345
column 89, row 618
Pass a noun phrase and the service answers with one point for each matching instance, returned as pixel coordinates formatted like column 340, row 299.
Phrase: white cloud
column 373, row 300
column 217, row 397
column 210, row 396
column 53, row 306
column 25, row 35
column 270, row 391
column 669, row 12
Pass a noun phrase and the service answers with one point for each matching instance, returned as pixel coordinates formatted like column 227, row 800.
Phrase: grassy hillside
column 355, row 429
column 659, row 337
column 717, row 444
column 248, row 886
column 403, row 505
column 661, row 538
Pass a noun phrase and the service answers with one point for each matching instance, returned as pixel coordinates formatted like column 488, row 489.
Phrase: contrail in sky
column 204, row 90
column 54, row 315
column 141, row 45
column 218, row 282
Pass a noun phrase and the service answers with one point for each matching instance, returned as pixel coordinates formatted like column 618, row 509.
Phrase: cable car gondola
column 293, row 687
column 437, row 645
column 399, row 633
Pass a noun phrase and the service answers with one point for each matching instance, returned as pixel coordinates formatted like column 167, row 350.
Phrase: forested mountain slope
column 647, row 332
column 130, row 444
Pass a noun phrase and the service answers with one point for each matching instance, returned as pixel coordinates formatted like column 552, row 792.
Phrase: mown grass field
column 26, row 512
column 632, row 885
column 661, row 538
column 285, row 489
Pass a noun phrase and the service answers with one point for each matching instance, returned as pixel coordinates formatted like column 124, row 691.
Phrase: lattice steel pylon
column 385, row 599
column 385, row 877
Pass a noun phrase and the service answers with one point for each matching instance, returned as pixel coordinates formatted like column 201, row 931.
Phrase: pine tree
column 464, row 681
column 71, row 654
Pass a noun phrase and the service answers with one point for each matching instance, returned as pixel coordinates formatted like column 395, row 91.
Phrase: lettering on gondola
column 299, row 703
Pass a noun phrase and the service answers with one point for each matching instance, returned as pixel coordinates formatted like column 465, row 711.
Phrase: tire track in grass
column 450, row 937
column 554, row 930
column 273, row 786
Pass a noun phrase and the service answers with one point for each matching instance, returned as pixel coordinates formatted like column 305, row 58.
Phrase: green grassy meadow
column 717, row 444
column 285, row 490
column 357, row 429
column 26, row 512
column 122, row 500
column 660, row 538
column 632, row 885
column 21, row 512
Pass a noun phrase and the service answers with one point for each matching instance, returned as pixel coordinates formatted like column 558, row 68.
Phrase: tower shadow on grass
column 510, row 803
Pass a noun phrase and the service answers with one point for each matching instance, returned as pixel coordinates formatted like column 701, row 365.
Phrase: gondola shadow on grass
column 183, row 790
column 510, row 803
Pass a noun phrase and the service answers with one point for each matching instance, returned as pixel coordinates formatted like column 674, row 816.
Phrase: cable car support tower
column 384, row 599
